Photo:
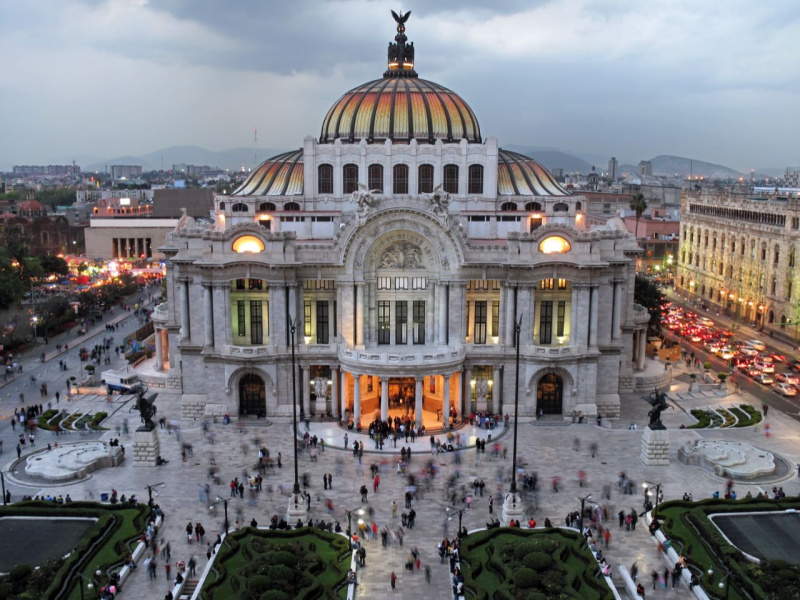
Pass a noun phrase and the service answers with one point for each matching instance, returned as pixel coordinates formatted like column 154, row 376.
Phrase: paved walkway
column 548, row 450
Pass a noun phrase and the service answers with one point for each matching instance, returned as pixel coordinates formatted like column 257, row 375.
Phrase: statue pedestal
column 655, row 447
column 512, row 509
column 297, row 509
column 321, row 406
column 146, row 447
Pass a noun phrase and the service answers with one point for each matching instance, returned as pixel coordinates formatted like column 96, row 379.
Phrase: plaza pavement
column 546, row 448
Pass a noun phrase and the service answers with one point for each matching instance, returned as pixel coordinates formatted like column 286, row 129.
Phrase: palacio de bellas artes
column 397, row 252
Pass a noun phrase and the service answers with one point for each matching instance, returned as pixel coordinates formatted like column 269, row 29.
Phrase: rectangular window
column 547, row 284
column 401, row 283
column 242, row 328
column 256, row 322
column 535, row 224
column 419, row 283
column 384, row 321
column 240, row 284
column 466, row 322
column 322, row 321
column 419, row 321
column 384, row 283
column 307, row 318
column 401, row 322
column 479, row 336
column 256, row 284
column 335, row 320
column 562, row 311
column 546, row 322
column 496, row 318
column 562, row 284
column 266, row 312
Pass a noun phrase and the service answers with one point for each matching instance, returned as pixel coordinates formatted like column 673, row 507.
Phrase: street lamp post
column 89, row 584
column 150, row 489
column 3, row 483
column 658, row 495
column 724, row 583
column 359, row 511
column 297, row 507
column 583, row 505
column 511, row 505
column 460, row 512
column 224, row 502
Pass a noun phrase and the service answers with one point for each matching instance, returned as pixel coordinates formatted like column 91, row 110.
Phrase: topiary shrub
column 526, row 578
column 274, row 595
column 538, row 561
column 281, row 573
column 285, row 558
column 19, row 573
column 257, row 585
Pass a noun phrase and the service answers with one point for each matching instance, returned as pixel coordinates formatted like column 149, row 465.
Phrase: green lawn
column 521, row 564
column 704, row 547
column 258, row 564
column 104, row 546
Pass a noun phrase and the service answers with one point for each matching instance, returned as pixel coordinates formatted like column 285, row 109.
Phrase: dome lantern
column 401, row 53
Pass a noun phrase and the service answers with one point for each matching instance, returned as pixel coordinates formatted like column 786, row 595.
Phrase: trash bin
column 103, row 497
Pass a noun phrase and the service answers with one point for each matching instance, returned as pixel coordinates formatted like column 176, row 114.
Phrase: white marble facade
column 399, row 288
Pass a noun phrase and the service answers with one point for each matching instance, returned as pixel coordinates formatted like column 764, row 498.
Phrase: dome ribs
column 366, row 91
column 290, row 174
column 376, row 105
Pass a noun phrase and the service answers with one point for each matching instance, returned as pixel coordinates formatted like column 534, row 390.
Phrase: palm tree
column 638, row 205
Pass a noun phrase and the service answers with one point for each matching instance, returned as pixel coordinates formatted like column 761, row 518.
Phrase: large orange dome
column 400, row 109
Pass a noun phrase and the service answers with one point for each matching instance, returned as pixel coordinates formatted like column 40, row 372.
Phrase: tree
column 646, row 293
column 54, row 265
column 638, row 206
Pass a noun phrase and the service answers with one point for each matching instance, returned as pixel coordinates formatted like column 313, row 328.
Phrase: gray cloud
column 715, row 80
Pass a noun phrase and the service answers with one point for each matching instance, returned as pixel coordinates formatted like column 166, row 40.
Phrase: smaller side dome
column 281, row 175
column 30, row 205
column 520, row 175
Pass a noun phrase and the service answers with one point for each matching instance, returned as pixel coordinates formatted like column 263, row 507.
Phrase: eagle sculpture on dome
column 401, row 18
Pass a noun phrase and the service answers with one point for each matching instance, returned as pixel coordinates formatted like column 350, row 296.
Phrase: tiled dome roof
column 520, row 175
column 280, row 175
column 30, row 205
column 400, row 109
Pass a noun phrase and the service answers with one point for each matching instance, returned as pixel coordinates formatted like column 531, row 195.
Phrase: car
column 712, row 346
column 749, row 351
column 777, row 357
column 787, row 378
column 726, row 333
column 757, row 344
column 785, row 389
column 764, row 357
column 696, row 336
column 763, row 379
column 751, row 372
column 705, row 321
column 765, row 367
column 726, row 353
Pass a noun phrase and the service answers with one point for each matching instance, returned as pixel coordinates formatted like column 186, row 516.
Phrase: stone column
column 292, row 287
column 594, row 294
column 335, row 391
column 418, row 399
column 446, row 402
column 185, row 331
column 208, row 316
column 384, row 398
column 429, row 315
column 583, row 310
column 442, row 337
column 359, row 335
column 616, row 333
column 469, row 313
column 573, row 317
column 510, row 316
column 159, row 351
column 356, row 399
column 497, row 391
column 641, row 349
column 524, row 310
column 305, row 390
column 466, row 405
column 222, row 318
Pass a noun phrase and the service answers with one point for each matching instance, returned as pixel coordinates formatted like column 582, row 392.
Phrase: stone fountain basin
column 728, row 459
column 72, row 461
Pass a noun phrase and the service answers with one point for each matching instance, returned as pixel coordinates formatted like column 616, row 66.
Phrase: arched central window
column 475, row 179
column 508, row 206
column 400, row 179
column 349, row 179
column 425, row 179
column 375, row 177
column 325, row 179
column 239, row 207
column 533, row 206
column 451, row 179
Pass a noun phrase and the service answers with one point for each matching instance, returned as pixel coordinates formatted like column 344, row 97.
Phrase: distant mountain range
column 551, row 158
column 232, row 159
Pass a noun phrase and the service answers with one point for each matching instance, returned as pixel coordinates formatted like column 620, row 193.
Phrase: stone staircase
column 188, row 589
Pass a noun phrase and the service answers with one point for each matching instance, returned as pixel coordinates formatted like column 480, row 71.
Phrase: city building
column 125, row 171
column 130, row 226
column 738, row 252
column 792, row 178
column 613, row 167
column 658, row 191
column 645, row 168
column 51, row 170
column 593, row 180
column 391, row 259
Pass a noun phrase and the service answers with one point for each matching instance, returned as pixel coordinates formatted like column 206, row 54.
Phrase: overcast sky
column 717, row 81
